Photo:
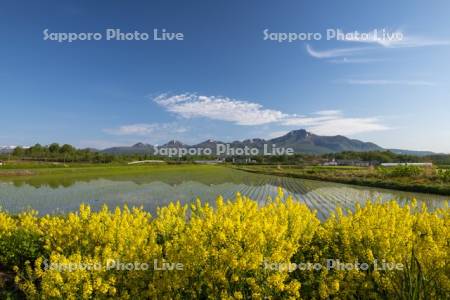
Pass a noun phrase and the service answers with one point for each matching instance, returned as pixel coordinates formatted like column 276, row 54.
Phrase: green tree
column 54, row 148
column 67, row 149
column 36, row 150
column 18, row 151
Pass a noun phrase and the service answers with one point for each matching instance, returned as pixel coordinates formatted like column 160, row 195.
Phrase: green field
column 37, row 174
column 427, row 180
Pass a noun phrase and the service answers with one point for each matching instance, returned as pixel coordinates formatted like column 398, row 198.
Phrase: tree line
column 61, row 153
column 68, row 153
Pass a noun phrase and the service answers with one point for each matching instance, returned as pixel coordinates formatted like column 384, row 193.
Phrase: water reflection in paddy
column 61, row 195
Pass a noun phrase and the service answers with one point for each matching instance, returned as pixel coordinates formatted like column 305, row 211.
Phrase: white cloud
column 374, row 37
column 328, row 112
column 307, row 120
column 346, row 60
column 332, row 53
column 275, row 134
column 418, row 41
column 219, row 108
column 396, row 39
column 143, row 129
column 347, row 126
column 252, row 114
column 334, row 122
column 389, row 82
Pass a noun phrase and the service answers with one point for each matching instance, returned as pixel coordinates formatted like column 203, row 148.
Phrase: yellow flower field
column 232, row 250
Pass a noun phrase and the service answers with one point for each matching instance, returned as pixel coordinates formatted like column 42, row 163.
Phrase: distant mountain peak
column 300, row 133
column 254, row 140
column 174, row 143
column 300, row 140
column 303, row 141
column 140, row 145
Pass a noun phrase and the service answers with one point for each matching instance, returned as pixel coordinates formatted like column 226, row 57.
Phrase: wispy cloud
column 332, row 53
column 385, row 38
column 248, row 113
column 328, row 112
column 143, row 129
column 418, row 41
column 275, row 134
column 396, row 39
column 389, row 82
column 336, row 123
column 346, row 60
column 347, row 126
column 374, row 42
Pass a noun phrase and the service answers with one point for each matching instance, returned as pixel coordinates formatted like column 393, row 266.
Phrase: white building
column 147, row 162
column 330, row 163
column 407, row 164
column 209, row 162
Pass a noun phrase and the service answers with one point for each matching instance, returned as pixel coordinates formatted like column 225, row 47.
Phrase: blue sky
column 224, row 81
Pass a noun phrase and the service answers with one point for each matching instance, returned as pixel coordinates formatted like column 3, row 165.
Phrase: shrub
column 224, row 251
column 401, row 171
column 390, row 234
column 444, row 175
column 20, row 239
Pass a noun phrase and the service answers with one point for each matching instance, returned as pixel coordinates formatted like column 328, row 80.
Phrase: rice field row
column 150, row 192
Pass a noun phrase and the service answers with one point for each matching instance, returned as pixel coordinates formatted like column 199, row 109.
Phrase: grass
column 21, row 165
column 43, row 168
column 426, row 182
column 71, row 173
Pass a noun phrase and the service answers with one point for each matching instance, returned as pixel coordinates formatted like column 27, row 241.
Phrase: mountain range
column 301, row 141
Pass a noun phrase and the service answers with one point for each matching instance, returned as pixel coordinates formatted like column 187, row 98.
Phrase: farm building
column 407, row 164
column 350, row 162
column 332, row 163
column 147, row 162
column 209, row 162
column 246, row 160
